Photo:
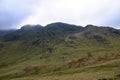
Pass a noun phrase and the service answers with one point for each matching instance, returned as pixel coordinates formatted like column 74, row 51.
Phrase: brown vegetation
column 77, row 63
column 3, row 65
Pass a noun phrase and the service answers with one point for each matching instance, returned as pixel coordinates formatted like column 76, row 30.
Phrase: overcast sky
column 16, row 13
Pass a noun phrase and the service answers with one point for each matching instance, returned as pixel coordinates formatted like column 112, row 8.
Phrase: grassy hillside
column 60, row 51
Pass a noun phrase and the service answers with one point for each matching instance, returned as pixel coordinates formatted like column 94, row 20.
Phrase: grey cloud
column 8, row 19
column 12, row 12
column 114, row 22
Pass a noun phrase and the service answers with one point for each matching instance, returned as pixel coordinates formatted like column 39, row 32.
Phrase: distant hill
column 4, row 32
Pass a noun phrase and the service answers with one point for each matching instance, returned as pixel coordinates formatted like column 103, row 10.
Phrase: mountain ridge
column 61, row 27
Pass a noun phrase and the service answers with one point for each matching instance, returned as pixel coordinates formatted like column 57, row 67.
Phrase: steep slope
column 35, row 39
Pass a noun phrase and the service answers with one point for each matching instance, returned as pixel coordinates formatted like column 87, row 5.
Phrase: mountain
column 53, row 30
column 59, row 49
